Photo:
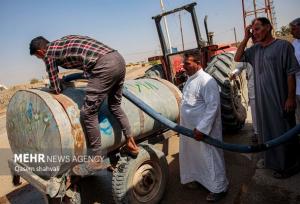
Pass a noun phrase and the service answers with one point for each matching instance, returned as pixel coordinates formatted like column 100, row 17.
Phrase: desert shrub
column 34, row 81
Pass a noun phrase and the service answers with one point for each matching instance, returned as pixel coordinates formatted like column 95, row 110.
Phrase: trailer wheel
column 141, row 180
column 233, row 94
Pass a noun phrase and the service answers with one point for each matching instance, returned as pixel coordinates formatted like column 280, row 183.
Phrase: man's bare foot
column 130, row 148
column 131, row 145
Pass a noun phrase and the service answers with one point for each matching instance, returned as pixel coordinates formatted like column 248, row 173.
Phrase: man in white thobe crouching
column 200, row 111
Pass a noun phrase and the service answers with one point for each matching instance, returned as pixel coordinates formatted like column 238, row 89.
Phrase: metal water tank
column 40, row 123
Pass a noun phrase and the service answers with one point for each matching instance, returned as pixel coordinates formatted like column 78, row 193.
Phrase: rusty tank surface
column 40, row 123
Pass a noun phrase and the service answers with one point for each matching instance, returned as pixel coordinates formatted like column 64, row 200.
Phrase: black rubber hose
column 74, row 76
column 207, row 139
column 189, row 133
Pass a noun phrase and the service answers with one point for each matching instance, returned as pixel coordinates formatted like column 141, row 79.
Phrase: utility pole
column 266, row 10
column 182, row 41
column 166, row 25
column 235, row 35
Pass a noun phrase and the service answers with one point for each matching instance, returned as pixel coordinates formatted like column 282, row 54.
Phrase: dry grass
column 5, row 95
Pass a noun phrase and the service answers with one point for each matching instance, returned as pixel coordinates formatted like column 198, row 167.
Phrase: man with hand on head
column 274, row 65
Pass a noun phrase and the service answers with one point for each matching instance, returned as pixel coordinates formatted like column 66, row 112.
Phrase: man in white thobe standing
column 200, row 111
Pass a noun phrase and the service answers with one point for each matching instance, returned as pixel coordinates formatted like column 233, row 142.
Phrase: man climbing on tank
column 105, row 70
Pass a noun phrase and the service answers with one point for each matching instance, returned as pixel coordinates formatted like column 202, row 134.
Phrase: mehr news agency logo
column 38, row 158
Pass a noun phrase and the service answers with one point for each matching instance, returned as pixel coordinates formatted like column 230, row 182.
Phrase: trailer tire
column 140, row 180
column 233, row 94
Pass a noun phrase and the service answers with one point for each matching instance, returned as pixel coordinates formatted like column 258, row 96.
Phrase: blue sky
column 125, row 25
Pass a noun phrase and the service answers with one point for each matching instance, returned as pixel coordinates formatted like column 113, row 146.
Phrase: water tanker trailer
column 45, row 135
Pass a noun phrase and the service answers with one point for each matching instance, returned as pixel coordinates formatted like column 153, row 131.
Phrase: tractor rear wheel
column 233, row 94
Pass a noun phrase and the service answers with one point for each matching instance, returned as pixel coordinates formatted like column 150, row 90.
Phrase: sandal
column 111, row 168
column 125, row 150
column 214, row 197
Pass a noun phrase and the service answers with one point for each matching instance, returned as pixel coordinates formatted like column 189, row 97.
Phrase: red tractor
column 216, row 60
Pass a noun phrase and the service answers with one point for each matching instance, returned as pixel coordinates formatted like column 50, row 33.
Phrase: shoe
column 88, row 168
column 132, row 153
column 214, row 197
